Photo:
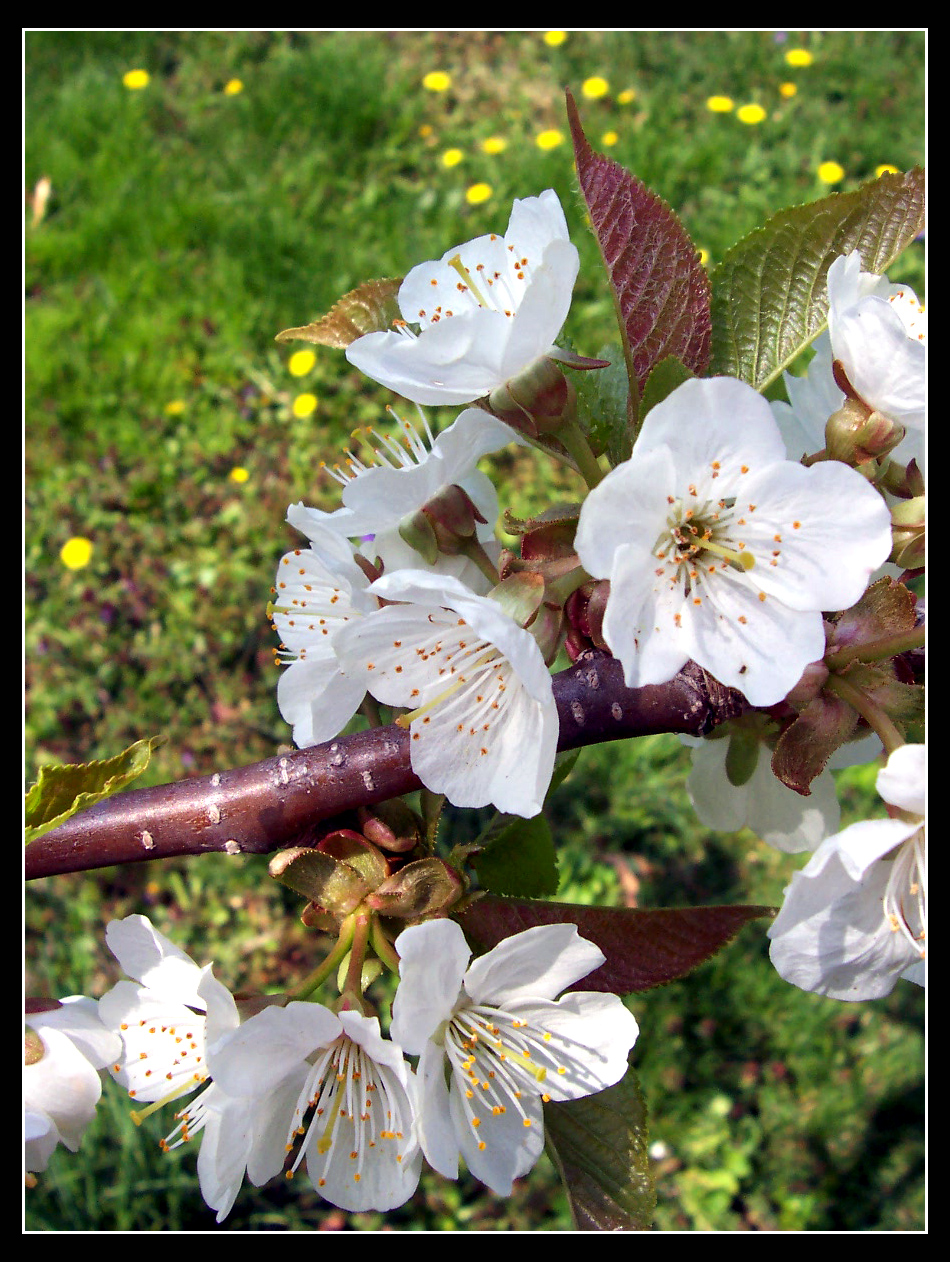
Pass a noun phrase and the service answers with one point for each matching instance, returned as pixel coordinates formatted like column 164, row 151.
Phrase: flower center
column 699, row 540
column 348, row 1106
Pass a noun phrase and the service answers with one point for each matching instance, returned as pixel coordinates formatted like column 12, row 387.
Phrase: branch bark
column 268, row 805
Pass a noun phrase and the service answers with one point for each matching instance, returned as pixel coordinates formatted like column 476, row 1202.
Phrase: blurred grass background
column 253, row 179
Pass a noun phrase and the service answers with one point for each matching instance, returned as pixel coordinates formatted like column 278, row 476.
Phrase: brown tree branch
column 260, row 808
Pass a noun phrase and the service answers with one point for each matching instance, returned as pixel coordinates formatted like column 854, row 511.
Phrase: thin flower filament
column 390, row 454
column 502, row 1060
column 905, row 897
column 486, row 657
column 351, row 1106
column 695, row 533
column 190, row 1120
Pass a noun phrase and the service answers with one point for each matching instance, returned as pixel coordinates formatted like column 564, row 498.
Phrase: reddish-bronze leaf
column 660, row 287
column 370, row 308
column 645, row 947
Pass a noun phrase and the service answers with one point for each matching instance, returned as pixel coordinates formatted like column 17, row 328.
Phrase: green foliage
column 59, row 792
column 770, row 297
column 599, row 1145
column 519, row 858
column 185, row 226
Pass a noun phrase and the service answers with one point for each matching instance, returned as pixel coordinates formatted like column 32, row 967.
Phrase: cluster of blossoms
column 737, row 535
column 297, row 1082
column 730, row 535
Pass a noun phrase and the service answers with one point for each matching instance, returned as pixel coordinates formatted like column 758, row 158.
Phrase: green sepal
column 59, row 792
column 331, row 884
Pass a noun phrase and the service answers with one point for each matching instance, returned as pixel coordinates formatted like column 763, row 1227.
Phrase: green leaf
column 662, row 381
column 519, row 858
column 770, row 292
column 61, row 791
column 660, row 288
column 370, row 308
column 645, row 947
column 602, row 407
column 599, row 1146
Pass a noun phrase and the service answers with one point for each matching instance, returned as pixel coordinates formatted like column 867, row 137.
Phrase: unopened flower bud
column 856, row 434
column 427, row 887
column 453, row 517
column 538, row 401
column 392, row 825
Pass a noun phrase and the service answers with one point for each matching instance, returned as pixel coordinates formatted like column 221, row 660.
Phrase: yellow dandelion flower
column 799, row 57
column 594, row 87
column 135, row 79
column 885, row 169
column 554, row 38
column 549, row 139
column 233, row 87
column 239, row 474
column 76, row 553
column 750, row 114
column 787, row 89
column 452, row 157
column 626, row 96
column 437, row 81
column 301, row 362
column 174, row 407
column 304, row 405
column 831, row 173
column 609, row 138
column 494, row 144
column 478, row 193
column 720, row 104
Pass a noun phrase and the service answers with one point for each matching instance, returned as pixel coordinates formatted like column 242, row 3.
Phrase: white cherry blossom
column 65, row 1047
column 720, row 550
column 854, row 918
column 781, row 817
column 486, row 311
column 167, row 1018
column 878, row 332
column 403, row 474
column 317, row 591
column 302, row 1083
column 494, row 1043
column 483, row 723
column 813, row 399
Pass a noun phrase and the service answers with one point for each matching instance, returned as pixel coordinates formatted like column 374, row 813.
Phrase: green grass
column 185, row 229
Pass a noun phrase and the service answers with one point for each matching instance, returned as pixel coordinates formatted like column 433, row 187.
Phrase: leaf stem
column 869, row 710
column 876, row 650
